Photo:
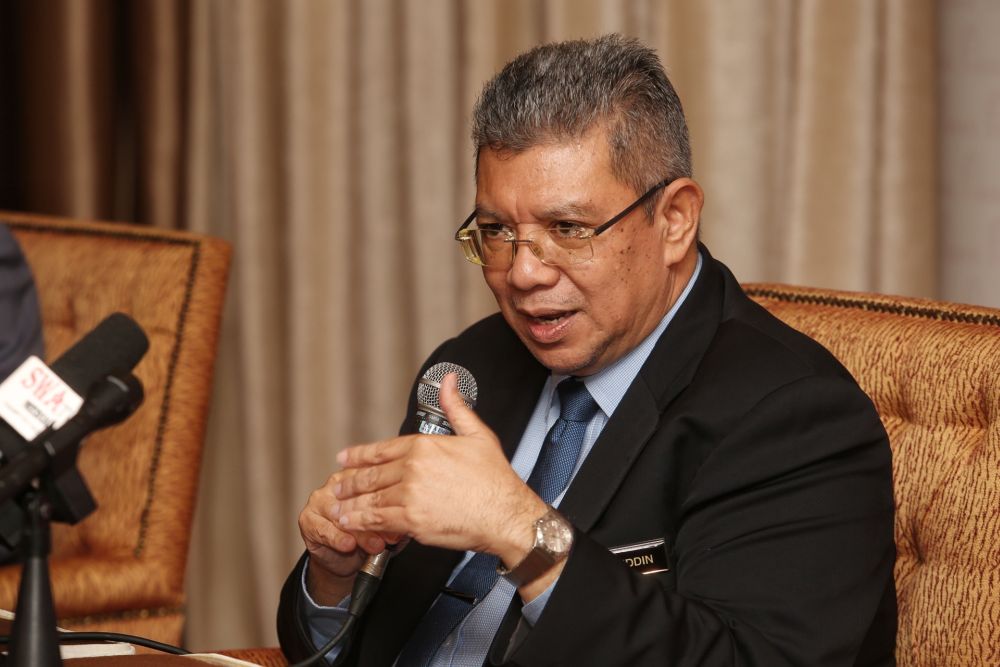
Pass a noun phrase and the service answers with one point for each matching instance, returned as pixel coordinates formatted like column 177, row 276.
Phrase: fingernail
column 335, row 511
column 343, row 520
column 337, row 488
column 342, row 458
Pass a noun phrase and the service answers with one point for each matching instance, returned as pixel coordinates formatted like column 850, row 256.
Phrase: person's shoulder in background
column 20, row 320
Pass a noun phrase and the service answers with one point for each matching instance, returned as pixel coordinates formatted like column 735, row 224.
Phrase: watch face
column 554, row 535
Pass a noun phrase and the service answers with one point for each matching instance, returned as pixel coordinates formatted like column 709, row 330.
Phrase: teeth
column 549, row 318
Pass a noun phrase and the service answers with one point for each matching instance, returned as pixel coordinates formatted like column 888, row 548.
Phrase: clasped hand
column 457, row 492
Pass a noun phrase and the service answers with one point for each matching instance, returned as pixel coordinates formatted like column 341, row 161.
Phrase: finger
column 320, row 531
column 320, row 527
column 462, row 418
column 357, row 481
column 375, row 519
column 362, row 513
column 372, row 454
column 396, row 540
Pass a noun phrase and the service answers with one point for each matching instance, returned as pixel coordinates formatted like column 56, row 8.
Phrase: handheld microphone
column 430, row 416
column 430, row 419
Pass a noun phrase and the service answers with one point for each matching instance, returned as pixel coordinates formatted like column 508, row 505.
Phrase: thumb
column 461, row 417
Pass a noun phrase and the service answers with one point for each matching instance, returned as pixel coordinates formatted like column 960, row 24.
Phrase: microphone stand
column 34, row 641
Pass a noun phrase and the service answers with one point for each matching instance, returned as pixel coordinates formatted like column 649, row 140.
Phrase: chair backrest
column 123, row 567
column 933, row 371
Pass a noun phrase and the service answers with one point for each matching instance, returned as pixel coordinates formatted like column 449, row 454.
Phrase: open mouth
column 550, row 318
column 549, row 327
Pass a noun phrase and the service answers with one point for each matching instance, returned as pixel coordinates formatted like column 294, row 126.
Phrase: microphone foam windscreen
column 429, row 387
column 117, row 343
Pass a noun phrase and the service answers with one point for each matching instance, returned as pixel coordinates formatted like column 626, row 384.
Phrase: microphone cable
column 365, row 585
column 69, row 635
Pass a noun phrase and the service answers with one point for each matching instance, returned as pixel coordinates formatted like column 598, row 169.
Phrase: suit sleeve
column 783, row 554
column 293, row 635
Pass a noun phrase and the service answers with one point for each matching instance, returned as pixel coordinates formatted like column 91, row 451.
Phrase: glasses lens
column 560, row 246
column 554, row 246
column 470, row 246
column 486, row 247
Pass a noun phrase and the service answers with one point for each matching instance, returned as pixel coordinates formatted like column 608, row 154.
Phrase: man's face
column 575, row 319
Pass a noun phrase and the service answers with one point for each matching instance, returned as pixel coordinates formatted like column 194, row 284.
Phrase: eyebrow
column 559, row 212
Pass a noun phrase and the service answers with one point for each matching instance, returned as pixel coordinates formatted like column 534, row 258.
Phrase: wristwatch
column 553, row 540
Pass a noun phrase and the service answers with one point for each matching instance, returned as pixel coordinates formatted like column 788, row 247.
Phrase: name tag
column 647, row 557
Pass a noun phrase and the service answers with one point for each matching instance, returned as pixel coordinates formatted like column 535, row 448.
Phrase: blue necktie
column 549, row 477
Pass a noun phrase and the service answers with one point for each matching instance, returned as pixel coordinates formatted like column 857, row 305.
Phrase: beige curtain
column 969, row 136
column 327, row 139
column 338, row 135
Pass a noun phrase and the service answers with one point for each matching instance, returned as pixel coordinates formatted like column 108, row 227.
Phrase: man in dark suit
column 723, row 487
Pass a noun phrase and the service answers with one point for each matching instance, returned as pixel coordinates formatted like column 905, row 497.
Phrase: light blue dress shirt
column 469, row 643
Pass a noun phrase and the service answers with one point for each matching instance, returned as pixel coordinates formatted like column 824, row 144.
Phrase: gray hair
column 560, row 91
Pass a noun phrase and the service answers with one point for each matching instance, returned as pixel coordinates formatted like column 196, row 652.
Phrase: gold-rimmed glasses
column 562, row 243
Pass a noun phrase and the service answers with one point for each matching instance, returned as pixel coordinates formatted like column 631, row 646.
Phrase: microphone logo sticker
column 33, row 398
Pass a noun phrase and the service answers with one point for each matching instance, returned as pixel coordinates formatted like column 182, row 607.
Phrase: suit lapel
column 666, row 373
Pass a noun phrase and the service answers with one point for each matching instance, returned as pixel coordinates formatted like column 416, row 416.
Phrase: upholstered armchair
column 933, row 370
column 122, row 568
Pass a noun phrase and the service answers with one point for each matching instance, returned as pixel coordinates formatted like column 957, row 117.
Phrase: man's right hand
column 335, row 555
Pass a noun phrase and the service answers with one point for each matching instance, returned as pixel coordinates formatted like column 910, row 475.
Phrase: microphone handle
column 366, row 582
column 429, row 420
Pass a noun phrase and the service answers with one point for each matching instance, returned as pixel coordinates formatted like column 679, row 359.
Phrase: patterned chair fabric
column 933, row 371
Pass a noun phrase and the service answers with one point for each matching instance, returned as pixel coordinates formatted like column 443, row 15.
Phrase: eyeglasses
column 560, row 244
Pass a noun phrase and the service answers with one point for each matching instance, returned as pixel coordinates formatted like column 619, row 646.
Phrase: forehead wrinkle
column 567, row 210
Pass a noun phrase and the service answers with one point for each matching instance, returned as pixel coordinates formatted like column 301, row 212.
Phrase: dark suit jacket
column 742, row 443
column 20, row 321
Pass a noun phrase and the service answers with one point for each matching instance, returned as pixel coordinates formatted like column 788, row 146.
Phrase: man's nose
column 527, row 270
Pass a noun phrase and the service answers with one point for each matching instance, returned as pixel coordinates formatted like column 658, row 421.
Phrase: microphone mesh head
column 429, row 388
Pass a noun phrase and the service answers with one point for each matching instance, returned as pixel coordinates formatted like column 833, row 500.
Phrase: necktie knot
column 575, row 402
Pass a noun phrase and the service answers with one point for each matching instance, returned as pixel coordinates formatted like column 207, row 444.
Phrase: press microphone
column 116, row 344
column 430, row 419
column 109, row 401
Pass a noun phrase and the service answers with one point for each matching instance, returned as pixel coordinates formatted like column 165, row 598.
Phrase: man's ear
column 679, row 214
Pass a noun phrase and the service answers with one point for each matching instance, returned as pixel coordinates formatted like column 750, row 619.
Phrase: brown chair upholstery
column 122, row 568
column 933, row 370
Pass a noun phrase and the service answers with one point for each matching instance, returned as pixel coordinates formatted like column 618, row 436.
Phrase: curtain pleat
column 66, row 107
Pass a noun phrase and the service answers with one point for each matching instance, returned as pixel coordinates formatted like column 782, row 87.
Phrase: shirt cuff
column 323, row 622
column 533, row 610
